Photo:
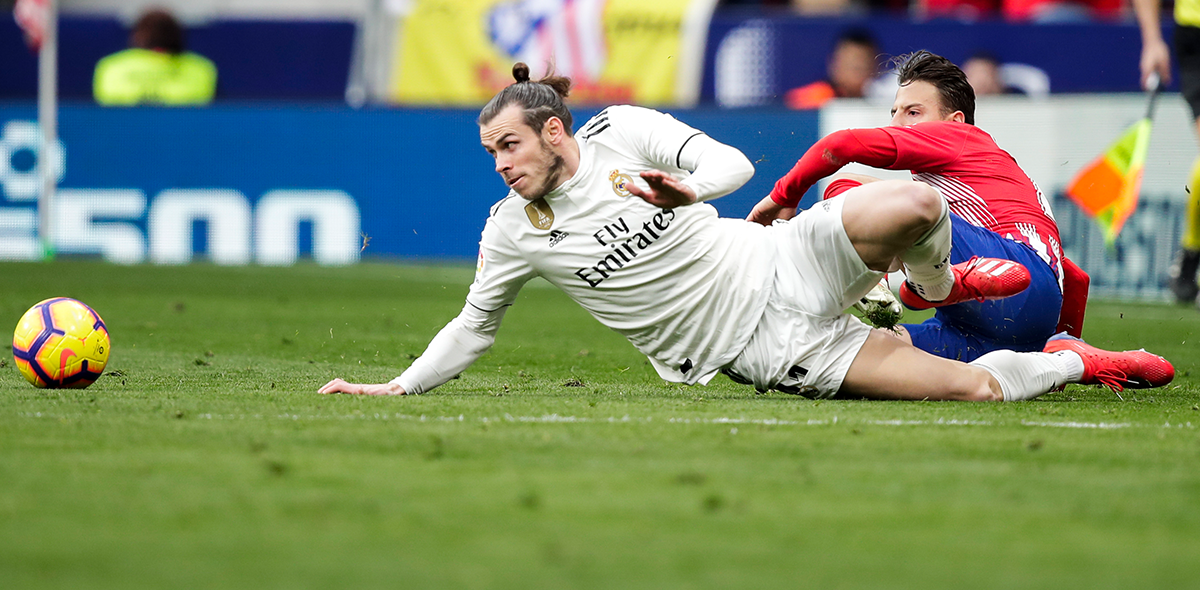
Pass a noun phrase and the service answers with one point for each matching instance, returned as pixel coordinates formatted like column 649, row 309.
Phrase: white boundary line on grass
column 626, row 419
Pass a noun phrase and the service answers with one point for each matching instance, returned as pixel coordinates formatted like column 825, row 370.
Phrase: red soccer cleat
column 1135, row 369
column 980, row 279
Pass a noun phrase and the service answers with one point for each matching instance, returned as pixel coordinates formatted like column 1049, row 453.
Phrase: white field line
column 626, row 419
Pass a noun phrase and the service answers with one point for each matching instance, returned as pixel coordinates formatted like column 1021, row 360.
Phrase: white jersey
column 682, row 285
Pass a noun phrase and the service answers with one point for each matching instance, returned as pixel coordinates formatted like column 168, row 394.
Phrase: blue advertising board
column 268, row 184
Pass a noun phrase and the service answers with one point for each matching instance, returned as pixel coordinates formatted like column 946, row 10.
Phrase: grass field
column 205, row 459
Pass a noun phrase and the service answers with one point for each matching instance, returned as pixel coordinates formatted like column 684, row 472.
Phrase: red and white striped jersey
column 981, row 182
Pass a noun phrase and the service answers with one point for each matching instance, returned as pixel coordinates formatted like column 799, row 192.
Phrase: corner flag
column 31, row 16
column 1107, row 189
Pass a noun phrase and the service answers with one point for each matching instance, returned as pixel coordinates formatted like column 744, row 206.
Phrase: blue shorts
column 965, row 331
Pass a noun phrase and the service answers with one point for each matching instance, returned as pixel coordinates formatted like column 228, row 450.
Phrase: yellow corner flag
column 1108, row 188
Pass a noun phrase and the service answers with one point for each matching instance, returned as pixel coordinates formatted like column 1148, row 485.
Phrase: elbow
column 737, row 168
column 484, row 345
column 476, row 344
column 745, row 169
column 832, row 148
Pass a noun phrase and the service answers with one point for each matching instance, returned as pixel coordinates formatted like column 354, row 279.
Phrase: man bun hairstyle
column 539, row 100
column 955, row 91
column 520, row 72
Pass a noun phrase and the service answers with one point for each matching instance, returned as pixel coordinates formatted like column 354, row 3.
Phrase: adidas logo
column 995, row 267
column 557, row 236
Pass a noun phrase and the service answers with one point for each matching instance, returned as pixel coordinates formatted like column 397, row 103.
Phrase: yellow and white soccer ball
column 61, row 342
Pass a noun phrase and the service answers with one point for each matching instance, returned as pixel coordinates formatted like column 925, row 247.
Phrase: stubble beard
column 554, row 165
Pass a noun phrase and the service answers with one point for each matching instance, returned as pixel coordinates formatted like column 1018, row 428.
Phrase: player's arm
column 716, row 169
column 922, row 147
column 768, row 210
column 844, row 181
column 873, row 147
column 501, row 273
column 455, row 348
column 1156, row 56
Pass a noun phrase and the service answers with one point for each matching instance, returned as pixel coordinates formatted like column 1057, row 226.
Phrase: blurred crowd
column 853, row 70
column 1024, row 11
column 158, row 64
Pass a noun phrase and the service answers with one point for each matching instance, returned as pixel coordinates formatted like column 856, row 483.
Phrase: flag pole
column 1107, row 188
column 48, row 122
column 1153, row 85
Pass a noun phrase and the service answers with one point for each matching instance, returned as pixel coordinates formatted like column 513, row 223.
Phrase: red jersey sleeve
column 924, row 146
column 929, row 146
column 873, row 147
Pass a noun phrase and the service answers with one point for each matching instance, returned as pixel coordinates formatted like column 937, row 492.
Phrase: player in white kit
column 614, row 216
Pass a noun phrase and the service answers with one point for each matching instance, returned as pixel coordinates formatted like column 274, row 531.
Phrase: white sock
column 1026, row 375
column 1070, row 363
column 927, row 262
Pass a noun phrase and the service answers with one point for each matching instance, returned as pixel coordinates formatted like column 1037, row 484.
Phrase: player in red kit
column 996, row 212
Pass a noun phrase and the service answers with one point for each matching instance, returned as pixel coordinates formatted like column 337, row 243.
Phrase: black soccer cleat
column 1182, row 276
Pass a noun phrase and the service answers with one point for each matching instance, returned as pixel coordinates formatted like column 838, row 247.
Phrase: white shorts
column 805, row 341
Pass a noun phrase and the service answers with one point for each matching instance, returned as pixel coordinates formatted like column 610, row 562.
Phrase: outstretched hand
column 665, row 191
column 340, row 386
column 767, row 211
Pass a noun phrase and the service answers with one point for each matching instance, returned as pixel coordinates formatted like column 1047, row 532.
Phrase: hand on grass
column 665, row 191
column 340, row 386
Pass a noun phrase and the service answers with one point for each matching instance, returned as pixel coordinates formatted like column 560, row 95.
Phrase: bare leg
column 900, row 332
column 888, row 221
column 886, row 368
column 884, row 219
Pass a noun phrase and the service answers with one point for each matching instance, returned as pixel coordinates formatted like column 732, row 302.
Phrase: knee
column 914, row 206
column 924, row 202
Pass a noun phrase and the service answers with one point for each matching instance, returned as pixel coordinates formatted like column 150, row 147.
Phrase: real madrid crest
column 540, row 214
column 620, row 182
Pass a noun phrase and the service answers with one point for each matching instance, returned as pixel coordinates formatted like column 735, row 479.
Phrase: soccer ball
column 61, row 342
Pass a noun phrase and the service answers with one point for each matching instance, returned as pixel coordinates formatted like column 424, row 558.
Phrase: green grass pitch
column 204, row 458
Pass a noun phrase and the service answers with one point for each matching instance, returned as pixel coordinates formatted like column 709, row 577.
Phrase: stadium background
column 344, row 120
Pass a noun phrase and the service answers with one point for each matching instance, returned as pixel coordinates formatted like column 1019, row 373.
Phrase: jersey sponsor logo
column 557, row 236
column 620, row 183
column 479, row 263
column 626, row 243
column 540, row 214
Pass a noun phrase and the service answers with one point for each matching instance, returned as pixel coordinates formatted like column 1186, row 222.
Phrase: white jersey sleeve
column 456, row 347
column 660, row 139
column 502, row 269
column 499, row 276
column 718, row 169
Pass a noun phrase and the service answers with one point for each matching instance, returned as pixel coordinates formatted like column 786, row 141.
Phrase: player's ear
column 959, row 117
column 553, row 129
